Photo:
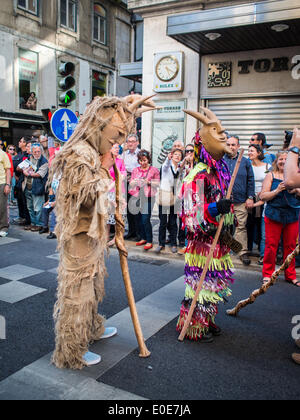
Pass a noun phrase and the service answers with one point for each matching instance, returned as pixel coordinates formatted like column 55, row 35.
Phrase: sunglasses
column 189, row 151
column 11, row 149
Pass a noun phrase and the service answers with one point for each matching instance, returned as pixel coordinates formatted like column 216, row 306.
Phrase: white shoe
column 109, row 332
column 91, row 358
column 3, row 234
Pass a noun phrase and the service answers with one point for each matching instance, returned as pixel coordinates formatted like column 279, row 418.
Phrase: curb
column 168, row 255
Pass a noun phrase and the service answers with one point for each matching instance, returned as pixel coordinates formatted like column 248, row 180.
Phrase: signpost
column 63, row 124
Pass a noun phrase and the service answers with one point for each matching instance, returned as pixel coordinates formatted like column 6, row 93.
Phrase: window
column 29, row 5
column 98, row 84
column 99, row 23
column 68, row 14
column 28, row 79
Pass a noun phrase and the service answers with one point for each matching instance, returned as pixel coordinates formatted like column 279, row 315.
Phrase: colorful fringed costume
column 208, row 182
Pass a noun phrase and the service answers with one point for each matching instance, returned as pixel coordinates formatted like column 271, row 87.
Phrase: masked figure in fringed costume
column 81, row 207
column 205, row 189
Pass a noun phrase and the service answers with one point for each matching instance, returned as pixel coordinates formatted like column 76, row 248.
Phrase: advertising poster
column 168, row 126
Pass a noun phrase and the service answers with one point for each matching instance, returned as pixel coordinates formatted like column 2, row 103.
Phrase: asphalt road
column 250, row 360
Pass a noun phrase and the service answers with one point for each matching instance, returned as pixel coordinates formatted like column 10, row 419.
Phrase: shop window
column 100, row 23
column 31, row 6
column 28, row 79
column 68, row 14
column 98, row 84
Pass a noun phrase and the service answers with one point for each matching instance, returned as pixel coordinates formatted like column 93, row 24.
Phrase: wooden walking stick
column 120, row 243
column 211, row 252
column 265, row 286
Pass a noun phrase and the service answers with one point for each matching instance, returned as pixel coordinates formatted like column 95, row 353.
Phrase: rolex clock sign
column 168, row 72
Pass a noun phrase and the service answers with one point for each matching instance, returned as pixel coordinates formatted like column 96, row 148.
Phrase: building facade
column 239, row 58
column 38, row 36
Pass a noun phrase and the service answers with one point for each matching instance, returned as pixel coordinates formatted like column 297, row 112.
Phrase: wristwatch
column 294, row 150
column 250, row 197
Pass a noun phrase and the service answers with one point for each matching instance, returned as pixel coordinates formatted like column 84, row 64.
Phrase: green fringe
column 198, row 168
column 207, row 296
column 219, row 264
column 228, row 219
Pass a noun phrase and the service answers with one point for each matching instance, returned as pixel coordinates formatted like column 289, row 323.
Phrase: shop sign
column 264, row 65
column 27, row 65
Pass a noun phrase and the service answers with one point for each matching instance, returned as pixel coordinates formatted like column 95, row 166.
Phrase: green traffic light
column 67, row 97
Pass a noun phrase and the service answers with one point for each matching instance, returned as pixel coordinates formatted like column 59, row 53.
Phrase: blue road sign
column 63, row 124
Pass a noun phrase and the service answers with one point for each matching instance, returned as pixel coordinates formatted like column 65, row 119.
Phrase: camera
column 287, row 138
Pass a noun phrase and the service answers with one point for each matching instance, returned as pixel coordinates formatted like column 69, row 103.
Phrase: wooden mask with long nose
column 121, row 119
column 212, row 133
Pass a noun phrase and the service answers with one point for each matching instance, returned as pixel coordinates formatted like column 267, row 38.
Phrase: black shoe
column 51, row 236
column 129, row 235
column 245, row 259
column 260, row 261
column 43, row 230
column 207, row 338
column 215, row 330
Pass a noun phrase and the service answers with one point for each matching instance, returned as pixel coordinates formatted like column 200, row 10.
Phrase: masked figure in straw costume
column 204, row 191
column 81, row 205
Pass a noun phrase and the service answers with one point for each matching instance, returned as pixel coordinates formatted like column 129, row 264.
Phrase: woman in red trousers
column 281, row 217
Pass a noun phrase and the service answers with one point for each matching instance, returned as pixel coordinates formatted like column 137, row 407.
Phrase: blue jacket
column 244, row 185
column 39, row 184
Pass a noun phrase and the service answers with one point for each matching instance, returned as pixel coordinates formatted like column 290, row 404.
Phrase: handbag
column 165, row 198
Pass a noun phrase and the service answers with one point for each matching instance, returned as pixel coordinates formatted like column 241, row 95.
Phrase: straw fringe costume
column 201, row 221
column 82, row 212
column 80, row 229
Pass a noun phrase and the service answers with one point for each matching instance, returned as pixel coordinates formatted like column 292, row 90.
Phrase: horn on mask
column 200, row 117
column 142, row 101
column 212, row 117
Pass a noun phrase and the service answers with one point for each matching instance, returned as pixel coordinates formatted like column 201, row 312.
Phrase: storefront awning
column 21, row 118
column 265, row 24
column 132, row 71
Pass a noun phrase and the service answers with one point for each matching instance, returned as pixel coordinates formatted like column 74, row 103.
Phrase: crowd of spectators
column 267, row 213
column 23, row 179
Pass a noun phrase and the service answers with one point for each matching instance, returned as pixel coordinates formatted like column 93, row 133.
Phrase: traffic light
column 47, row 114
column 66, row 82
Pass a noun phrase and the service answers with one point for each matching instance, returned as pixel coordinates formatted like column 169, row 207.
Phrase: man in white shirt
column 131, row 162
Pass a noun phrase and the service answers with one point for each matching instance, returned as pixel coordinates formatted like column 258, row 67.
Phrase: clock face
column 167, row 68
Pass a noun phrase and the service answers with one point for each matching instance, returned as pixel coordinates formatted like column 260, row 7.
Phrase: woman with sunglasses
column 142, row 187
column 281, row 218
column 255, row 222
column 185, row 168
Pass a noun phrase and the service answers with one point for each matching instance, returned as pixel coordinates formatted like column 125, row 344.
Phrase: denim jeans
column 35, row 207
column 52, row 222
column 144, row 219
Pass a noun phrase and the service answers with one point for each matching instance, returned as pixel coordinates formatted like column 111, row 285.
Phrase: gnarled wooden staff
column 265, row 286
column 120, row 243
column 211, row 252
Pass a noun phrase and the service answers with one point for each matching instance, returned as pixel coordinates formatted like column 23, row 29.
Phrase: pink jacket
column 121, row 166
column 145, row 175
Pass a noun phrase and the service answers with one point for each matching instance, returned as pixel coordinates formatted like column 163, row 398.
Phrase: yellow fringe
column 204, row 296
column 219, row 264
